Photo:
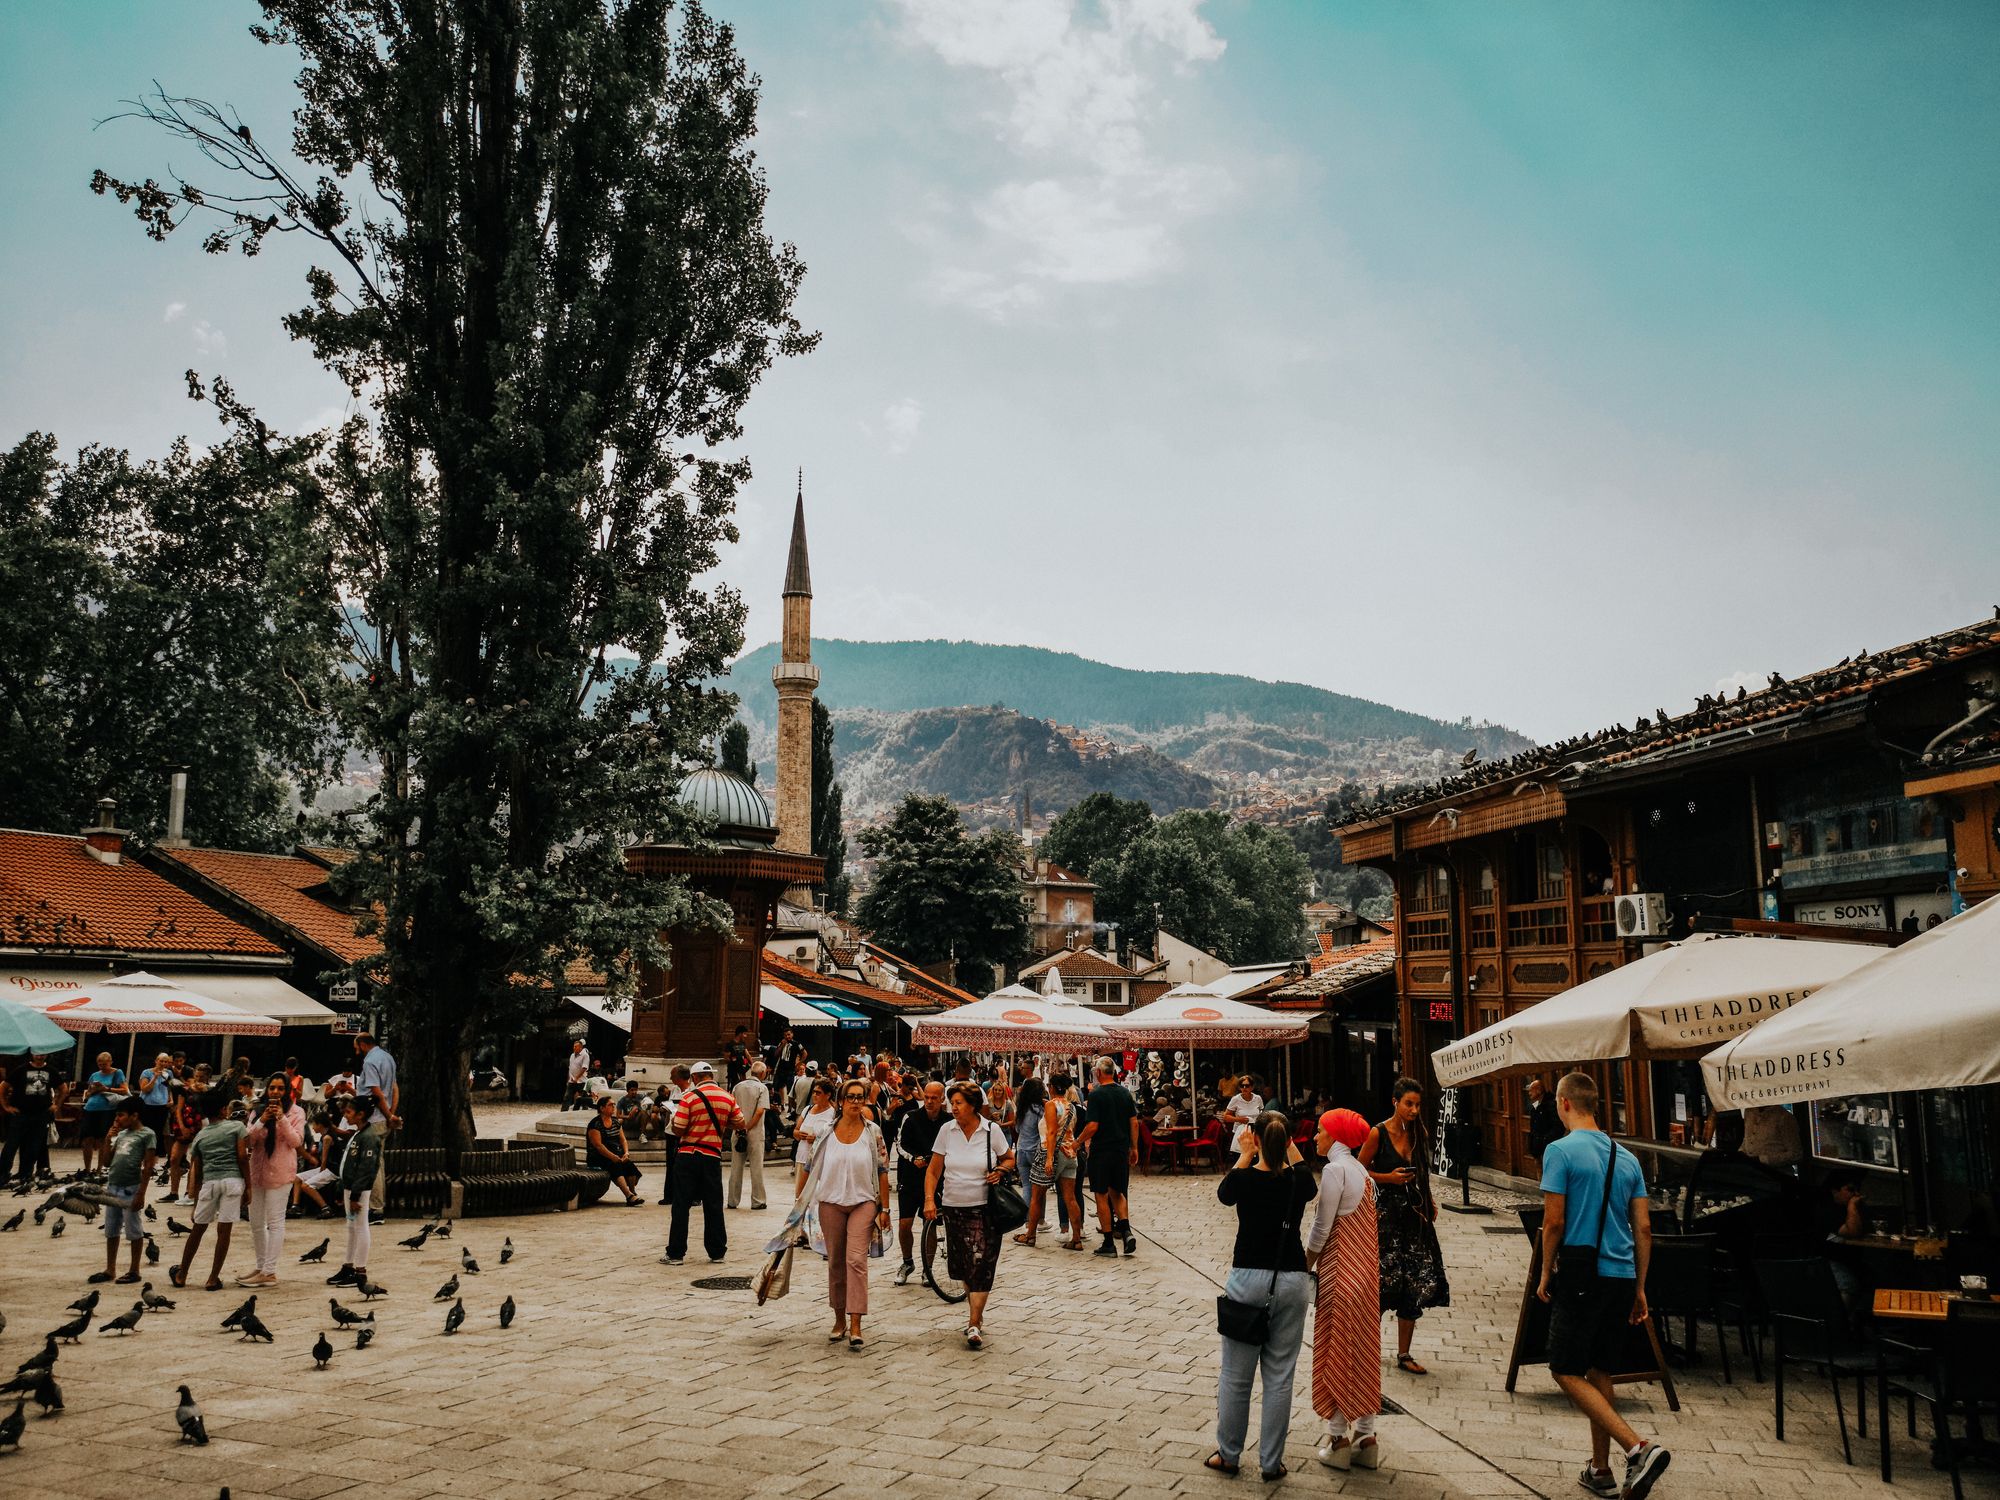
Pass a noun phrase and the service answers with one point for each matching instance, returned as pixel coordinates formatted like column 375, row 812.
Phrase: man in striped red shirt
column 704, row 1119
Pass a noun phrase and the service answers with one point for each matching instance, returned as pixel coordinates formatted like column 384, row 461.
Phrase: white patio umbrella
column 1191, row 1017
column 1923, row 1016
column 1014, row 1019
column 1676, row 1003
column 146, row 1002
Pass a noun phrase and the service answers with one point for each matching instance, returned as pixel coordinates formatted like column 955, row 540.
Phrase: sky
column 1543, row 363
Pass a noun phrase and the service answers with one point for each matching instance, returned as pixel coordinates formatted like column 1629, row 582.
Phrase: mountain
column 905, row 720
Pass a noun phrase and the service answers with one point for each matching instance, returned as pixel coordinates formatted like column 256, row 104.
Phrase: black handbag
column 1576, row 1265
column 1250, row 1322
column 1003, row 1199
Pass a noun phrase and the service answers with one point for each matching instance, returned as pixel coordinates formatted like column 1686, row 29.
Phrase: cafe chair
column 1151, row 1147
column 1963, row 1380
column 1681, row 1282
column 1208, row 1143
column 1809, row 1326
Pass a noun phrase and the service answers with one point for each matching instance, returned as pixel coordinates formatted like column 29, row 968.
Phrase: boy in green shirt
column 128, row 1158
column 220, row 1152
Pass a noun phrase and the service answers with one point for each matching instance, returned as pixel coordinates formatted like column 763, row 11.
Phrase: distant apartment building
column 1062, row 908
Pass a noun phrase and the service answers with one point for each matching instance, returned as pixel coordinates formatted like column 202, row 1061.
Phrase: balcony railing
column 1543, row 924
column 1481, row 935
column 1427, row 935
column 1598, row 916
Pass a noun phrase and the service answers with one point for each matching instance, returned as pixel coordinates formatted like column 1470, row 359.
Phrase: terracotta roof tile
column 56, row 898
column 1334, row 973
column 799, row 979
column 280, row 887
column 1079, row 963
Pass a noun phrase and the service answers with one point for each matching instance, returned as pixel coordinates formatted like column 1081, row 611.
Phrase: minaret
column 795, row 677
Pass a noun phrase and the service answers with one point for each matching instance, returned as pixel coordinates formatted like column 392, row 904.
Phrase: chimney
column 177, row 796
column 104, row 841
column 1326, row 942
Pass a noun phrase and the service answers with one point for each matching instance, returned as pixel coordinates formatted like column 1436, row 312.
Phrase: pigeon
column 253, row 1328
column 86, row 1305
column 152, row 1214
column 41, row 1215
column 322, row 1352
column 455, row 1317
column 175, row 1226
column 446, row 1292
column 69, row 1332
column 370, row 1291
column 445, row 1232
column 26, row 1381
column 346, row 1315
column 48, row 1395
column 14, row 1223
column 188, row 1415
column 363, row 1337
column 11, row 1427
column 236, row 1318
column 506, row 1250
column 154, row 1302
column 507, row 1313
column 40, row 1361
column 416, row 1241
column 315, row 1255
column 126, row 1322
column 152, row 1251
column 56, row 1229
column 465, row 1260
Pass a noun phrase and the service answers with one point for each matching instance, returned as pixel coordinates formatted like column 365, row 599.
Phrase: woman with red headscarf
column 1347, row 1323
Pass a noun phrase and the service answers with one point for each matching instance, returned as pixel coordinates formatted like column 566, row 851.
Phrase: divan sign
column 32, row 983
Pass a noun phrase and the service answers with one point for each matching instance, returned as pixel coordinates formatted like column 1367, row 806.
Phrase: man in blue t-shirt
column 1590, row 1314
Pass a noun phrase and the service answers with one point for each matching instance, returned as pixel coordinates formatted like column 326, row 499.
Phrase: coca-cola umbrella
column 1191, row 1017
column 1014, row 1019
column 146, row 1002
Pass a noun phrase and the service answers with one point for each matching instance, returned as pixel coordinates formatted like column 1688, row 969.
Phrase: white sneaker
column 973, row 1340
column 904, row 1272
column 1335, row 1452
column 1598, row 1481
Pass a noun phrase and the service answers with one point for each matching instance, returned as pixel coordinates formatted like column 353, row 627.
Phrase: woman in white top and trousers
column 851, row 1192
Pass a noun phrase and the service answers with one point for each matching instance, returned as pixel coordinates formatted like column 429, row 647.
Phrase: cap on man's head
column 702, row 1070
column 811, row 1066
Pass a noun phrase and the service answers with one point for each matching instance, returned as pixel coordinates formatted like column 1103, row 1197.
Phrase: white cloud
column 900, row 423
column 174, row 311
column 209, row 339
column 1094, row 202
column 1726, row 687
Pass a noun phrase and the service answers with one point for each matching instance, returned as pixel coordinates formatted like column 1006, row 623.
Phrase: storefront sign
column 1848, row 911
column 343, row 992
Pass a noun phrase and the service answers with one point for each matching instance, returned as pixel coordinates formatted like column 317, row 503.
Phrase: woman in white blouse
column 851, row 1191
column 814, row 1122
column 970, row 1156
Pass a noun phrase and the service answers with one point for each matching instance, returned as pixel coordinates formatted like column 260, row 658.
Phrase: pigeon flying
column 455, row 1317
column 322, row 1352
column 446, row 1292
column 315, row 1255
column 11, row 1427
column 154, row 1302
column 253, row 1328
column 507, row 1313
column 364, row 1337
column 506, row 1250
column 126, row 1322
column 86, row 1305
column 236, row 1318
column 346, row 1315
column 68, row 1333
column 193, row 1429
column 48, row 1395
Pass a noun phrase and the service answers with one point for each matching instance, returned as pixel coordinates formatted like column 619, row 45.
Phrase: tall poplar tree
column 829, row 842
column 541, row 266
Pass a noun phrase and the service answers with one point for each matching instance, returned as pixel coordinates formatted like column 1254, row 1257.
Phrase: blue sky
column 1538, row 362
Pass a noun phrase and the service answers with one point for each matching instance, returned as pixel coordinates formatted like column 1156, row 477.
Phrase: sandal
column 213, row 1284
column 177, row 1276
column 855, row 1343
column 1214, row 1461
column 1272, row 1476
column 1025, row 1239
column 1408, row 1365
column 1072, row 1244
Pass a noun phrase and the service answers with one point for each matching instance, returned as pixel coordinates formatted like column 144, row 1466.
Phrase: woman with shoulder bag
column 1262, row 1312
column 850, row 1176
column 969, row 1159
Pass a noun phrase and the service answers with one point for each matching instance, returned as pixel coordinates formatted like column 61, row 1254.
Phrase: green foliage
column 828, row 839
column 545, row 269
column 939, row 893
column 1357, row 887
column 154, row 618
column 1098, row 829
column 735, row 752
column 1236, row 889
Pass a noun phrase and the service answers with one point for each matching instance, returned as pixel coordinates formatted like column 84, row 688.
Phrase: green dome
column 728, row 803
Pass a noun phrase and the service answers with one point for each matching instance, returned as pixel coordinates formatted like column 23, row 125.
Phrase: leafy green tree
column 735, row 748
column 1100, row 827
column 154, row 621
column 939, row 893
column 544, row 269
column 1234, row 889
column 827, row 803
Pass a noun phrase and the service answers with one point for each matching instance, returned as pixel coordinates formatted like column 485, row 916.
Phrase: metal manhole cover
column 722, row 1284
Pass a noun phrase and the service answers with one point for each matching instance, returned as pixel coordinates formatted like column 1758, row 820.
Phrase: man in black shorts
column 1110, row 1141
column 1591, row 1314
column 916, row 1135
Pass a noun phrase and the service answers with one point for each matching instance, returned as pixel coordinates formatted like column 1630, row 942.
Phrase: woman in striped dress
column 1347, row 1323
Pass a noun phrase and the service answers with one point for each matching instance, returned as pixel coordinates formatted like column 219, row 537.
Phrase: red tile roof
column 55, row 898
column 798, row 979
column 1333, row 974
column 281, row 887
column 1079, row 963
column 921, row 979
column 1058, row 875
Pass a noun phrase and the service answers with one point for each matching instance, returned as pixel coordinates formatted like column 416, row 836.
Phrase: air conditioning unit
column 1643, row 915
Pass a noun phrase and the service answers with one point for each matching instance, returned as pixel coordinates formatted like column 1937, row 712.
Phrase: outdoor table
column 1178, row 1137
column 1907, row 1305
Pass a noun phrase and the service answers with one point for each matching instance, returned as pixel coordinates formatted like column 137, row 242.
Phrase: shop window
column 1429, row 890
column 1538, row 926
column 1861, row 1130
column 1427, row 935
column 1536, row 871
column 1480, row 933
column 1483, row 885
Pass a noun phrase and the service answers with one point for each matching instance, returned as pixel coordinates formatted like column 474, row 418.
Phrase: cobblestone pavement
column 619, row 1378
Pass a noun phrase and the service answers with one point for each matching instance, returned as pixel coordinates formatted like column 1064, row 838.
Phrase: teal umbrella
column 25, row 1029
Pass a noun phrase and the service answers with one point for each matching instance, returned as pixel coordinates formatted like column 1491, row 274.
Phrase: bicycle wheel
column 937, row 1267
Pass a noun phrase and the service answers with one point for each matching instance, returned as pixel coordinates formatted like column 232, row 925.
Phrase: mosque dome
column 735, row 810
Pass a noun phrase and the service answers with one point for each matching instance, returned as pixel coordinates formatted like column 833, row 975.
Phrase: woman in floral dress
column 1397, row 1156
